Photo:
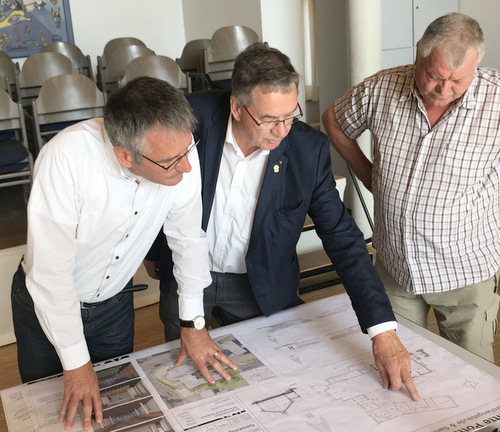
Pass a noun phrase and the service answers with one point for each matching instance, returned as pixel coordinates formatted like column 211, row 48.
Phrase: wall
column 202, row 18
column 160, row 25
column 486, row 12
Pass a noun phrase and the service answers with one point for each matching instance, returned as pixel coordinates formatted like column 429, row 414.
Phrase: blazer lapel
column 273, row 177
column 211, row 155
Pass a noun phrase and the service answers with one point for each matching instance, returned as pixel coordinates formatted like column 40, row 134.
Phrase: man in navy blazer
column 262, row 172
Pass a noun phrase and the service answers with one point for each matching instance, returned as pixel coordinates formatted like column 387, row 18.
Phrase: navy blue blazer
column 303, row 184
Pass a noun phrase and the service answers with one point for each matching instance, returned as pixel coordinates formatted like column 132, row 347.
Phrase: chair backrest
column 117, row 65
column 64, row 100
column 16, row 161
column 80, row 61
column 225, row 45
column 191, row 59
column 155, row 66
column 4, row 55
column 37, row 69
column 116, row 43
column 8, row 72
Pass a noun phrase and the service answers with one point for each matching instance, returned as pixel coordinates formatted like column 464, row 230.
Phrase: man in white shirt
column 102, row 190
column 262, row 171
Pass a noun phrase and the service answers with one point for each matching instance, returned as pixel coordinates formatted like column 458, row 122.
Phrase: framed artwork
column 27, row 25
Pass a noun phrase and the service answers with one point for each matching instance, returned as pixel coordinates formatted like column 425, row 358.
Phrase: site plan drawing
column 308, row 368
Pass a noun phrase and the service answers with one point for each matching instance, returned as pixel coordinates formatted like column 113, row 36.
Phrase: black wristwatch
column 197, row 323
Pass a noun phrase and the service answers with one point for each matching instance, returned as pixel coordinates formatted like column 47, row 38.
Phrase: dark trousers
column 108, row 329
column 229, row 298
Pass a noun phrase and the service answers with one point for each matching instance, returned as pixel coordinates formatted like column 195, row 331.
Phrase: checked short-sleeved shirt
column 436, row 190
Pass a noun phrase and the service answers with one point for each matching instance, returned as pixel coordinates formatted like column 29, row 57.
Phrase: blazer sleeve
column 345, row 245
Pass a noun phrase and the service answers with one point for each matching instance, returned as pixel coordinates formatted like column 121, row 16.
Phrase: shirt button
column 117, row 257
column 136, row 212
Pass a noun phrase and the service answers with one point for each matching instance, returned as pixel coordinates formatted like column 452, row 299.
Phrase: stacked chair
column 16, row 160
column 225, row 45
column 37, row 69
column 65, row 100
column 191, row 63
column 117, row 54
column 8, row 72
column 81, row 61
column 157, row 66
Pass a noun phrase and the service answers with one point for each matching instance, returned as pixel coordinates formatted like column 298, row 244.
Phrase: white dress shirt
column 90, row 224
column 236, row 195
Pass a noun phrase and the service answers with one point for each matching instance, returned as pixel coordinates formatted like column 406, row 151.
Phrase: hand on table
column 393, row 363
column 199, row 346
column 81, row 385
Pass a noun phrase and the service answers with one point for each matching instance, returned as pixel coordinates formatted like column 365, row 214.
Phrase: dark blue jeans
column 229, row 298
column 108, row 328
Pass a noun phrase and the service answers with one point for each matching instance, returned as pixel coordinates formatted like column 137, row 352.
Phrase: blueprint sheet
column 304, row 369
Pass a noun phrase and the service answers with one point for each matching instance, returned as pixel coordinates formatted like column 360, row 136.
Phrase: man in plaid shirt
column 435, row 178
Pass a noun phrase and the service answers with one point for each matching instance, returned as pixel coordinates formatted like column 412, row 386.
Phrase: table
column 308, row 368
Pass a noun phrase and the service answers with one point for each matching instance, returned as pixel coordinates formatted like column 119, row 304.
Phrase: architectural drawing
column 179, row 385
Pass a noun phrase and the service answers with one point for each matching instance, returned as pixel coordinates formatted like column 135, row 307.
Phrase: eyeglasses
column 176, row 160
column 271, row 124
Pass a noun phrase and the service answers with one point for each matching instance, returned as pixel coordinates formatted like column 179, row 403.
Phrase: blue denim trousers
column 108, row 328
column 229, row 298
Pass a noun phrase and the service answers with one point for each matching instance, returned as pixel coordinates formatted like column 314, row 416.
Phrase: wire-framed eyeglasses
column 271, row 124
column 173, row 164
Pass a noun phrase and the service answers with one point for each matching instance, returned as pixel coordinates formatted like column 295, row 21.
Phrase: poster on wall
column 28, row 25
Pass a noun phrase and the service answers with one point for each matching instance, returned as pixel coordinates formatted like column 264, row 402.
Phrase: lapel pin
column 276, row 168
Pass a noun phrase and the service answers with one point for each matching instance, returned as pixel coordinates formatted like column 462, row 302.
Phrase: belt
column 127, row 289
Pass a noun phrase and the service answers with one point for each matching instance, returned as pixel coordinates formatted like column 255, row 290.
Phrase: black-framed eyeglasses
column 271, row 124
column 173, row 164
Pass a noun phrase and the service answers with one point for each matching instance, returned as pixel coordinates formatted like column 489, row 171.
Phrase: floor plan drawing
column 308, row 368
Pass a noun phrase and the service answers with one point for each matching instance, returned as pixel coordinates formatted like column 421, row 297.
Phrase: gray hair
column 139, row 107
column 456, row 33
column 261, row 65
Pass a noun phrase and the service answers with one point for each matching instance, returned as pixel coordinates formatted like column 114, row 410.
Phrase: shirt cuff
column 75, row 356
column 382, row 327
column 190, row 308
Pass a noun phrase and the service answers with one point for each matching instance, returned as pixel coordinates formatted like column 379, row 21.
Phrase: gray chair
column 65, row 100
column 8, row 72
column 191, row 59
column 225, row 45
column 117, row 65
column 156, row 66
column 81, row 61
column 112, row 45
column 16, row 161
column 37, row 69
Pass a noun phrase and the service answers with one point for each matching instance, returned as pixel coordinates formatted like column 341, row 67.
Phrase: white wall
column 283, row 28
column 486, row 12
column 202, row 18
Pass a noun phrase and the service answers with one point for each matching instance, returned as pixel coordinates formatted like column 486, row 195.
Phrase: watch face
column 199, row 322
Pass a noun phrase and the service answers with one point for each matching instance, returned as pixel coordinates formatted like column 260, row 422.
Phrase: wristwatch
column 197, row 323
